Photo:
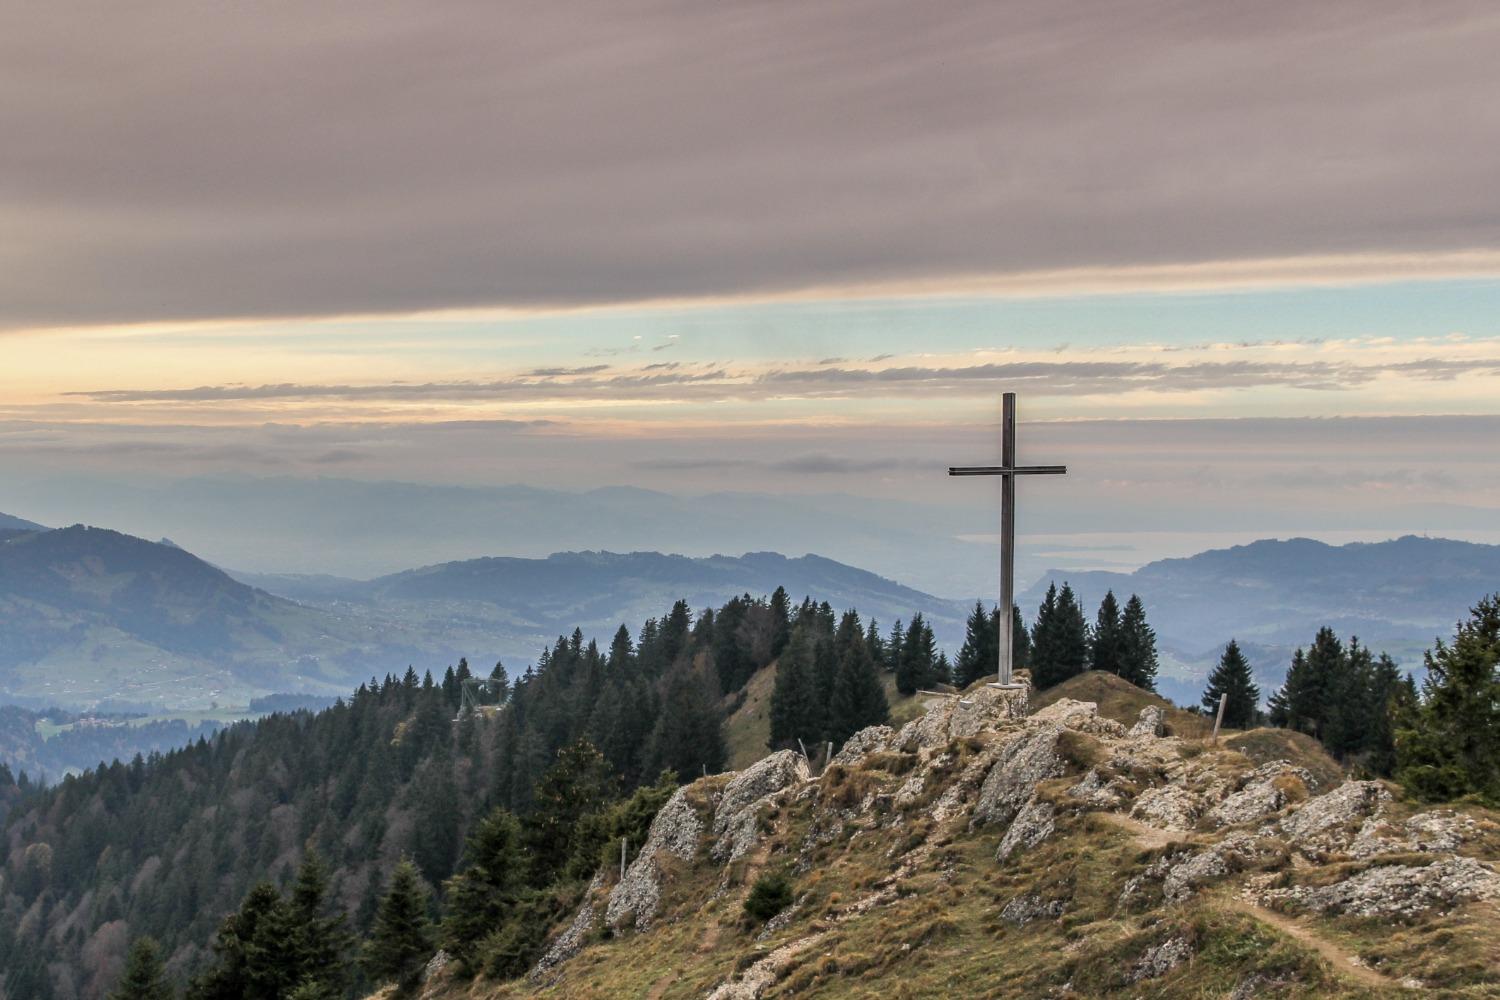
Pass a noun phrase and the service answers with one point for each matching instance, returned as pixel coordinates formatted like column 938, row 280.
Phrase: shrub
column 771, row 894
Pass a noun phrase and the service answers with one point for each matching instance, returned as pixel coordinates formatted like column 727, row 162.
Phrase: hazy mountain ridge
column 1273, row 595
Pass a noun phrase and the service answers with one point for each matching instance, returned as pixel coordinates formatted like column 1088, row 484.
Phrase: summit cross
column 1007, row 471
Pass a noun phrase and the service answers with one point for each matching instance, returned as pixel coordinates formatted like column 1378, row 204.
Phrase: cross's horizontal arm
column 1001, row 470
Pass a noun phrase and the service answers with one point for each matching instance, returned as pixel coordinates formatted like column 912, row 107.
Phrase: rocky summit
column 985, row 850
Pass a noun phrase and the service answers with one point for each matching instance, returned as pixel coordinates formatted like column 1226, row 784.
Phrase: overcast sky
column 1228, row 254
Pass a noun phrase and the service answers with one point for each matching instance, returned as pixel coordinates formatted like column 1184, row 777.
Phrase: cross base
column 1006, row 687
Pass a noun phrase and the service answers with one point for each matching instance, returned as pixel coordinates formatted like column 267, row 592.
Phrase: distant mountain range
column 1273, row 596
column 90, row 615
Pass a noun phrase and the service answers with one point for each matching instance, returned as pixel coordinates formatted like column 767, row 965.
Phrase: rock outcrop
column 1397, row 890
column 674, row 832
column 738, row 810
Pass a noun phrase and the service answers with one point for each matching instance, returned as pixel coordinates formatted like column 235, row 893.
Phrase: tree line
column 568, row 755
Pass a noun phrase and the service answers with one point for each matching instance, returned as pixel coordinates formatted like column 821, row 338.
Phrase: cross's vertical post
column 1007, row 470
column 1007, row 538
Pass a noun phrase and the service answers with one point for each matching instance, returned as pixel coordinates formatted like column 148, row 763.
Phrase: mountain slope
column 979, row 852
column 88, row 613
column 9, row 522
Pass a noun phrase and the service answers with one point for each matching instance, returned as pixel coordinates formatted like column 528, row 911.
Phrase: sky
column 1241, row 262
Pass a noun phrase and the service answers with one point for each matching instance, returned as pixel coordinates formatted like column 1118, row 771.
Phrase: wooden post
column 828, row 755
column 624, row 848
column 1219, row 719
column 804, row 751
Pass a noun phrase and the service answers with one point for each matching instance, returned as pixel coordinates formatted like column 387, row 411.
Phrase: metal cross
column 1007, row 471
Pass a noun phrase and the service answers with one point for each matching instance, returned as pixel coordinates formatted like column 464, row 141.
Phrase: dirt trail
column 1345, row 963
column 1340, row 959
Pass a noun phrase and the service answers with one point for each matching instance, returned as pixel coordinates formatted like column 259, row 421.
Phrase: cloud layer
column 167, row 160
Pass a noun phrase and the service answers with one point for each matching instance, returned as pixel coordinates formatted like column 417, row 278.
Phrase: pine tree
column 402, row 939
column 1451, row 747
column 1106, row 640
column 1233, row 677
column 483, row 895
column 145, row 977
column 1137, row 646
column 981, row 648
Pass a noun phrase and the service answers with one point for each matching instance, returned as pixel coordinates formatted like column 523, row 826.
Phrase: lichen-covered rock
column 1439, row 830
column 1170, row 807
column 1397, row 890
column 1080, row 715
column 1160, row 959
column 1326, row 823
column 1032, row 825
column 1029, row 907
column 1096, row 793
column 1151, row 722
column 953, row 799
column 1266, row 790
column 1029, row 757
column 736, row 816
column 1184, row 876
column 435, row 966
column 915, row 786
column 871, row 739
column 569, row 942
column 674, row 831
column 951, row 718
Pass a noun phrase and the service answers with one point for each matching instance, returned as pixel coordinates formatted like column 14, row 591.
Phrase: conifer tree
column 895, row 648
column 1106, row 640
column 688, row 736
column 793, row 710
column 781, row 627
column 981, row 649
column 1233, row 677
column 318, row 939
column 858, row 700
column 1059, row 640
column 145, row 977
column 1020, row 639
column 1451, row 746
column 402, row 939
column 482, row 896
column 918, row 666
column 576, row 784
column 1137, row 646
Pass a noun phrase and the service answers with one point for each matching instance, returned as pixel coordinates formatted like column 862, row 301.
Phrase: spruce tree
column 1106, row 641
column 858, row 700
column 918, row 666
column 981, row 649
column 1020, row 638
column 483, row 895
column 402, row 939
column 578, row 783
column 793, row 710
column 688, row 736
column 1137, row 646
column 145, row 977
column 318, row 939
column 781, row 627
column 1451, row 746
column 1059, row 641
column 1233, row 677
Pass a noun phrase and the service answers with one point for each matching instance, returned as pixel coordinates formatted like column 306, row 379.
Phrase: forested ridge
column 166, row 846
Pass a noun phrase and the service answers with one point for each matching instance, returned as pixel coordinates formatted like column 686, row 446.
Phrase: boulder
column 1032, row 825
column 1080, row 715
column 1152, row 722
column 1160, row 959
column 1326, row 823
column 871, row 739
column 1170, row 807
column 1028, row 758
column 1264, row 792
column 1023, row 909
column 736, row 815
